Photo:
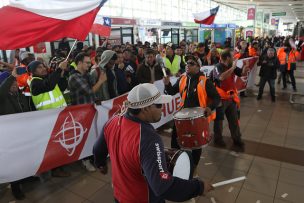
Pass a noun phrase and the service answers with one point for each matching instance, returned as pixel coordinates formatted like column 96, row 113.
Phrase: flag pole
column 71, row 50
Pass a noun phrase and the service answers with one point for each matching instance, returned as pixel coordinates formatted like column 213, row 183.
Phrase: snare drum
column 192, row 128
column 179, row 163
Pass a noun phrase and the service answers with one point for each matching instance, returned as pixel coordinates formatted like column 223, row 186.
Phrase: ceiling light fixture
column 289, row 4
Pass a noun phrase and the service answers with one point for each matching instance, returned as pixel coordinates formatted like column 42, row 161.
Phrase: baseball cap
column 146, row 94
column 33, row 66
column 192, row 57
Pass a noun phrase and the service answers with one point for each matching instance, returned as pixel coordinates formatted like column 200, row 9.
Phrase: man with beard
column 268, row 73
column 223, row 75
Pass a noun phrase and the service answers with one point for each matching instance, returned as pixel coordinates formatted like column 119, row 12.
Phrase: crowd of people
column 91, row 75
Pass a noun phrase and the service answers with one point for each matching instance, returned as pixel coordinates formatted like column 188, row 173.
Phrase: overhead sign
column 150, row 22
column 176, row 24
column 189, row 24
column 279, row 14
column 123, row 21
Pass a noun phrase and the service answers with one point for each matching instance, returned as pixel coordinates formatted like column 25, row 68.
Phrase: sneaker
column 17, row 193
column 87, row 164
column 220, row 143
column 273, row 99
column 60, row 173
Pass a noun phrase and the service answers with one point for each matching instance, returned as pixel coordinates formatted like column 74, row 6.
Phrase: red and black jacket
column 139, row 169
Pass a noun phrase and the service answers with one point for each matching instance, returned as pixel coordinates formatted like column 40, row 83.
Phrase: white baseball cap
column 146, row 94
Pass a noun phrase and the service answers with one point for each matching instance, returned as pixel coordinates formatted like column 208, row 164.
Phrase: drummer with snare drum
column 139, row 169
column 196, row 91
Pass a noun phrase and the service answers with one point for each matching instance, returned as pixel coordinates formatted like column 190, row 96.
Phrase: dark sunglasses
column 159, row 106
column 191, row 63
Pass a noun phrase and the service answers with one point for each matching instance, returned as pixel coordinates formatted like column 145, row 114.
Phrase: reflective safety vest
column 253, row 51
column 49, row 100
column 174, row 66
column 73, row 64
column 232, row 94
column 201, row 91
column 284, row 58
column 184, row 59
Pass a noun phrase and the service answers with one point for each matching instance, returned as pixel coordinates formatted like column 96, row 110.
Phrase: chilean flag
column 27, row 22
column 206, row 17
column 102, row 26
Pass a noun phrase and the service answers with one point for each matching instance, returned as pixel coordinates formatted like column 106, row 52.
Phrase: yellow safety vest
column 49, row 100
column 174, row 66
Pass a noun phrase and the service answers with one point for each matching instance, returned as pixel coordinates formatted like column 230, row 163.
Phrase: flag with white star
column 102, row 26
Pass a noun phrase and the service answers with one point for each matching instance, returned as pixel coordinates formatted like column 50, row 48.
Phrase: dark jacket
column 12, row 103
column 48, row 83
column 192, row 96
column 144, row 72
column 122, row 84
column 269, row 67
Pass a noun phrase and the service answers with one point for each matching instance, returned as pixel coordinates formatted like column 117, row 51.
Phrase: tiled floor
column 270, row 130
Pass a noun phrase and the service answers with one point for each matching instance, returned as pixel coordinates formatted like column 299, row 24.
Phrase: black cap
column 33, row 65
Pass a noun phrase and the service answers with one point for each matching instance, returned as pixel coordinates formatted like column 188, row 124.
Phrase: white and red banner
column 243, row 82
column 206, row 17
column 25, row 23
column 34, row 142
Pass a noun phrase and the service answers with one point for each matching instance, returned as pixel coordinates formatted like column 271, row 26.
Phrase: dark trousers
column 196, row 153
column 271, row 86
column 228, row 108
column 292, row 78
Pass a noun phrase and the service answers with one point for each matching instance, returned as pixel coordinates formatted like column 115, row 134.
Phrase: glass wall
column 168, row 10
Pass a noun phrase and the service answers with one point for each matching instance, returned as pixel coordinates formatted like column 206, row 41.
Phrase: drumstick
column 164, row 71
column 228, row 181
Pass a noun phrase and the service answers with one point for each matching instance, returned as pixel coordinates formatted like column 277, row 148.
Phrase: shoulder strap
column 98, row 72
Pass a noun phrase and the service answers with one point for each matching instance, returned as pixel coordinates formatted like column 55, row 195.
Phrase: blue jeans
column 271, row 86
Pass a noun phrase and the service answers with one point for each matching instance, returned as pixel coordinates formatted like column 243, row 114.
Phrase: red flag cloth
column 23, row 25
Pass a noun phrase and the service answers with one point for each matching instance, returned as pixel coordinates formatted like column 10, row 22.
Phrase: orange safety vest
column 232, row 94
column 252, row 51
column 283, row 58
column 237, row 55
column 22, row 81
column 201, row 91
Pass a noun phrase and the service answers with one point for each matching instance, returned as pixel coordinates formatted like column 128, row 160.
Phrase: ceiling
column 294, row 8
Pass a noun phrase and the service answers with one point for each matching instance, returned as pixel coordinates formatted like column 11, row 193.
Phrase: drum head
column 189, row 113
column 182, row 168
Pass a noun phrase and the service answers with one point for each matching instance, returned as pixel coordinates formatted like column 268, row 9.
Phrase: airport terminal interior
column 258, row 157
